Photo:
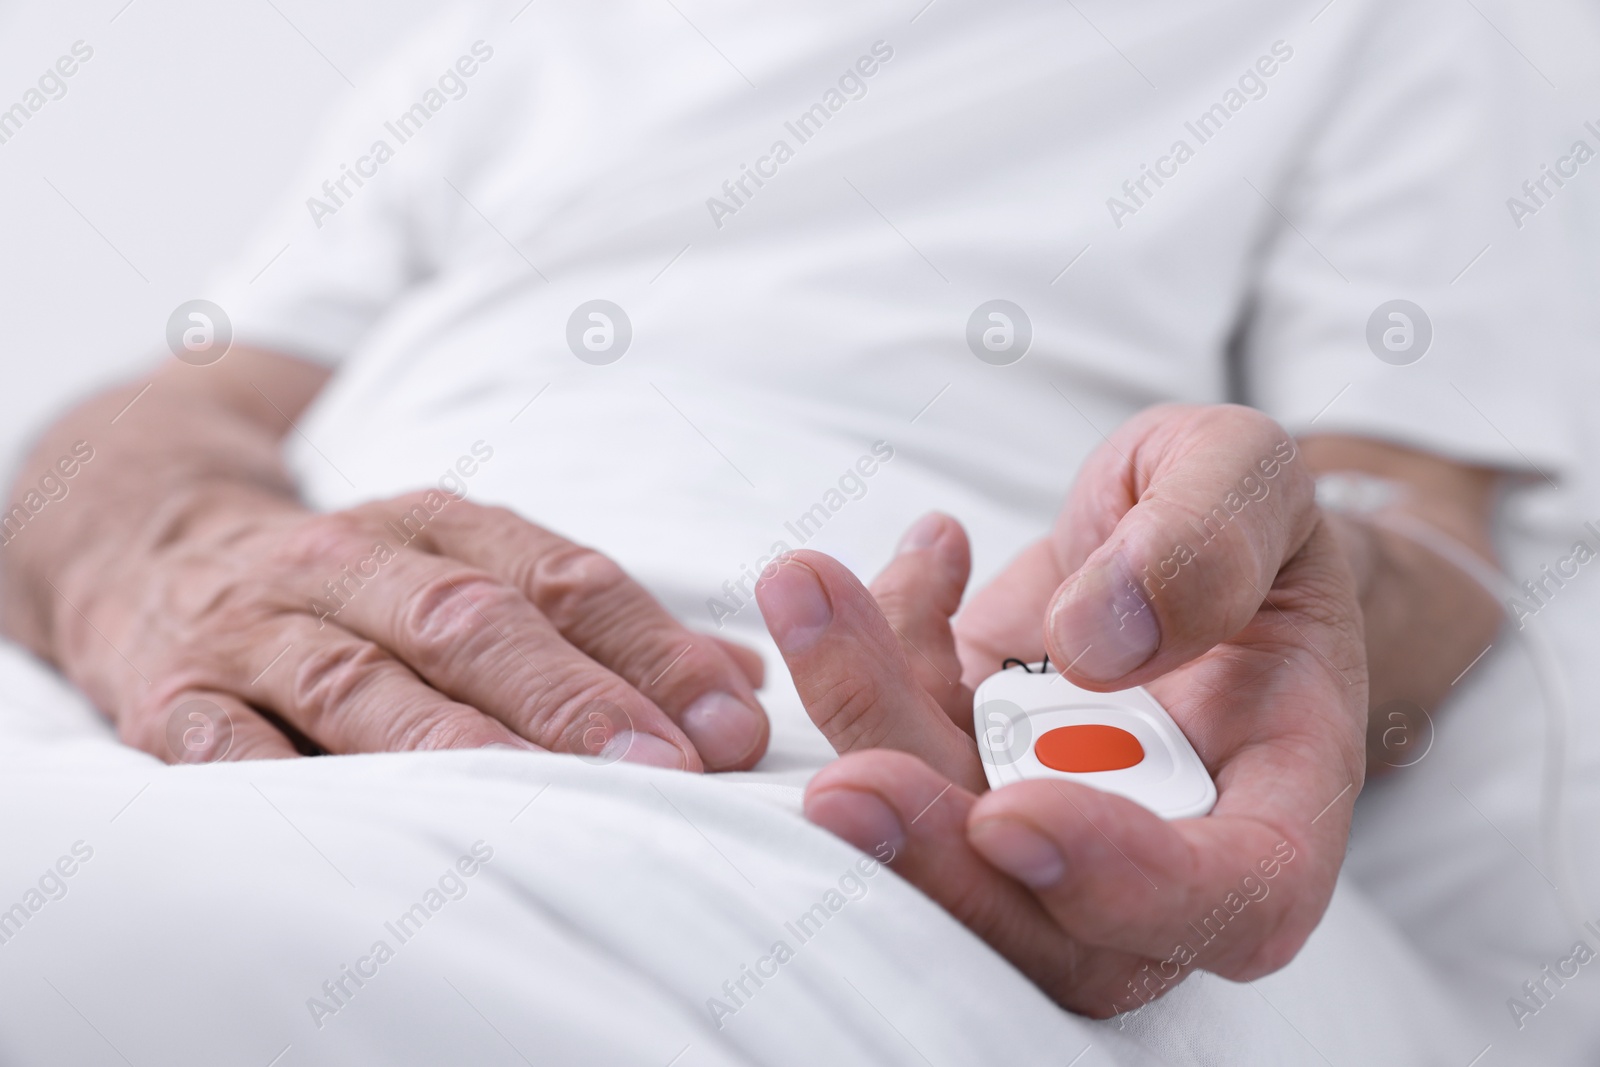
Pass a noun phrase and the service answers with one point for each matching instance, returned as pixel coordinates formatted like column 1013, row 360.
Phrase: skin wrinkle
column 332, row 676
column 447, row 612
column 853, row 700
column 645, row 659
column 564, row 584
column 667, row 663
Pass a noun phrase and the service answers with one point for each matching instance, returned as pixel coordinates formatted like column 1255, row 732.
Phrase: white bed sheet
column 616, row 902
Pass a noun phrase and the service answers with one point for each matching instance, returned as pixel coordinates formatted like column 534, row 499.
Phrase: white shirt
column 1153, row 184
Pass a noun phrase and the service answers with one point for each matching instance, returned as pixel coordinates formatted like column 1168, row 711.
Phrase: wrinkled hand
column 421, row 622
column 1250, row 638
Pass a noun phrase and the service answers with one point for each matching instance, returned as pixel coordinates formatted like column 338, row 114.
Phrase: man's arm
column 179, row 566
column 1426, row 621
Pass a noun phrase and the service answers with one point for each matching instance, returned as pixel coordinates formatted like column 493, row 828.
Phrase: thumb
column 1172, row 539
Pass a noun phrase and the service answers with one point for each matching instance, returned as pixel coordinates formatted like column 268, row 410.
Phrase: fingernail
column 795, row 607
column 1019, row 850
column 860, row 818
column 1103, row 625
column 724, row 729
column 922, row 534
column 648, row 749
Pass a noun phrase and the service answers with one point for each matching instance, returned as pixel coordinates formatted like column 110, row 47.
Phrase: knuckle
column 164, row 694
column 570, row 580
column 448, row 610
column 409, row 515
column 1268, row 451
column 578, row 712
column 1251, row 420
column 221, row 606
column 1237, row 423
column 481, row 520
column 320, row 538
column 332, row 675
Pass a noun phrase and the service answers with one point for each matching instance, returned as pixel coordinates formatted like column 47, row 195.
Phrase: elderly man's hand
column 1191, row 559
column 184, row 577
column 425, row 621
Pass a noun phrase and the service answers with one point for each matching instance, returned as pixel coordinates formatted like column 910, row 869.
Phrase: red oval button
column 1092, row 747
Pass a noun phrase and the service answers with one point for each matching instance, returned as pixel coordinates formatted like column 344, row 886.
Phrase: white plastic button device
column 1039, row 725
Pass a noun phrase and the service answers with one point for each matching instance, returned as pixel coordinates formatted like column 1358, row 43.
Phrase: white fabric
column 216, row 901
